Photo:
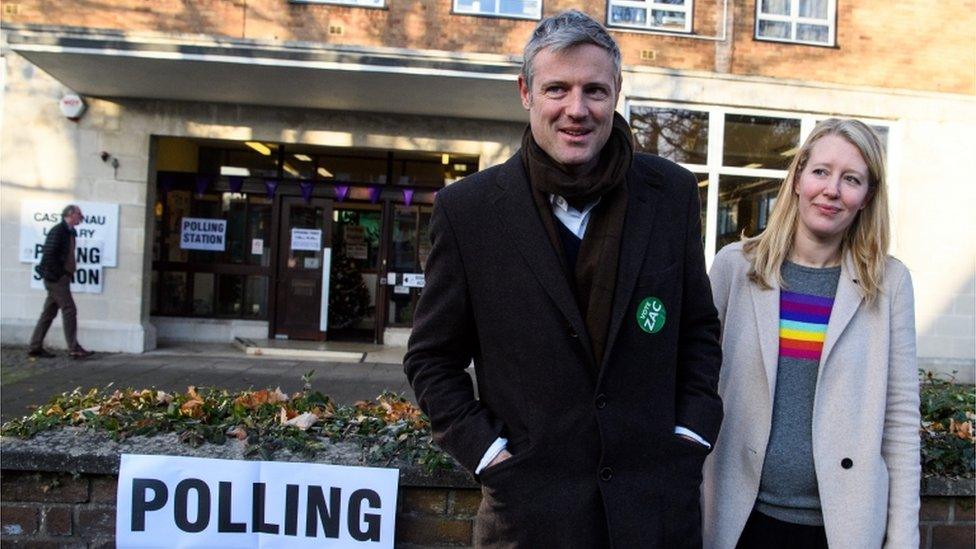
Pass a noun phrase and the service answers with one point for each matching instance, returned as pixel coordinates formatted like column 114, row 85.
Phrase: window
column 523, row 9
column 224, row 284
column 801, row 21
column 361, row 3
column 668, row 15
column 739, row 157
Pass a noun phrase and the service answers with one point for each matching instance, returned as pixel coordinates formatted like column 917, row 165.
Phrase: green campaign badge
column 651, row 315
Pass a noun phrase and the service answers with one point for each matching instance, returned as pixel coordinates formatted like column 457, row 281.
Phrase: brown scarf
column 595, row 277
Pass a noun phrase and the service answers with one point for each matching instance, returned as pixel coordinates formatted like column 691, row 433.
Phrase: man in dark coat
column 573, row 276
column 57, row 266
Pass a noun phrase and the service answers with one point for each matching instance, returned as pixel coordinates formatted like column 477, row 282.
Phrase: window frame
column 346, row 3
column 651, row 6
column 460, row 11
column 713, row 168
column 794, row 20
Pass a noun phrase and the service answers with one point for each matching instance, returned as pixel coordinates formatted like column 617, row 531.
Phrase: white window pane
column 753, row 141
column 774, row 29
column 812, row 33
column 775, row 7
column 815, row 9
column 680, row 135
column 518, row 7
column 674, row 2
column 744, row 204
column 631, row 16
column 669, row 19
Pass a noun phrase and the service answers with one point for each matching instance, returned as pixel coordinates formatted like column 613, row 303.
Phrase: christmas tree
column 348, row 294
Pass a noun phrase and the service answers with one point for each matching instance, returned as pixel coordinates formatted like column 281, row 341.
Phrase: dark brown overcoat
column 596, row 461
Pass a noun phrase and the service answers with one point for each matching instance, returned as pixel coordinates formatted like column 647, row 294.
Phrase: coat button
column 572, row 333
column 601, row 401
column 847, row 463
column 606, row 474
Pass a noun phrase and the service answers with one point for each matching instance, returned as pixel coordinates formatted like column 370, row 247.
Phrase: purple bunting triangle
column 203, row 181
column 236, row 183
column 306, row 188
column 271, row 186
column 407, row 196
column 341, row 192
column 374, row 194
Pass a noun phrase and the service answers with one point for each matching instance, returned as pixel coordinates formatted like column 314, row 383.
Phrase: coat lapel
column 846, row 302
column 766, row 306
column 636, row 237
column 519, row 218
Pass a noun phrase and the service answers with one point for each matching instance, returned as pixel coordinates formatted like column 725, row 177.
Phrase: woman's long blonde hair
column 866, row 240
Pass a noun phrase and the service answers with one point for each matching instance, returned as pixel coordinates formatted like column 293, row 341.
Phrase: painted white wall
column 45, row 156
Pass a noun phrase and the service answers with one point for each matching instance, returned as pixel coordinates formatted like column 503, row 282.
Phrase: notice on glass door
column 306, row 239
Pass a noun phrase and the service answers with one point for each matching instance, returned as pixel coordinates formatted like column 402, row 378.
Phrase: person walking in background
column 573, row 277
column 820, row 444
column 56, row 268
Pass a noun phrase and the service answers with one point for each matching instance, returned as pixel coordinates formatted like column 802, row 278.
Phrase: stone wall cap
column 78, row 450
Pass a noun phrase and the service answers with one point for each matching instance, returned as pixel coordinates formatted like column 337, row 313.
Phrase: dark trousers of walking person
column 58, row 297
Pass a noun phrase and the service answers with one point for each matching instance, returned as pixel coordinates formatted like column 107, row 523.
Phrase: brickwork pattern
column 60, row 510
column 947, row 522
column 914, row 44
column 56, row 510
column 40, row 510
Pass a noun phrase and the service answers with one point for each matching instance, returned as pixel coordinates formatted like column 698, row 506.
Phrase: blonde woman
column 820, row 445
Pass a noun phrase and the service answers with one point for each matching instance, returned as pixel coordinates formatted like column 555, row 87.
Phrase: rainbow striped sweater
column 803, row 324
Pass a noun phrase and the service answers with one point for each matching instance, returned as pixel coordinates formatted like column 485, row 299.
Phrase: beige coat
column 866, row 409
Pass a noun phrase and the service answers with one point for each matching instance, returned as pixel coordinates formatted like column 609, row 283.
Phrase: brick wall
column 913, row 44
column 56, row 510
column 947, row 522
column 60, row 510
column 41, row 510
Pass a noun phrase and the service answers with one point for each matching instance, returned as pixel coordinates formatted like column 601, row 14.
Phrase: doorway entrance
column 304, row 242
column 354, row 281
column 322, row 243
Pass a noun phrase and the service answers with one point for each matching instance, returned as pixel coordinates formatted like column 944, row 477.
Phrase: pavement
column 26, row 382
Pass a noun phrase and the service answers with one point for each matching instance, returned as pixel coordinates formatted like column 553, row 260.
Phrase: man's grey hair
column 566, row 30
column 68, row 210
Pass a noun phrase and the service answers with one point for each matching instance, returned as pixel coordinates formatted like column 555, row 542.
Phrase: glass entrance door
column 355, row 266
column 305, row 231
column 409, row 248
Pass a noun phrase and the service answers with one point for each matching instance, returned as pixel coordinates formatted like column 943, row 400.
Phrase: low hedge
column 389, row 427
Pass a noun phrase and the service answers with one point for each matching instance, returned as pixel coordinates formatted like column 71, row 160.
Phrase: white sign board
column 306, row 239
column 257, row 246
column 88, row 268
column 100, row 223
column 173, row 501
column 203, row 234
column 413, row 280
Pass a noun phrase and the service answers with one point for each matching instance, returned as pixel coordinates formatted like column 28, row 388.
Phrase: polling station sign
column 174, row 501
column 100, row 223
column 203, row 234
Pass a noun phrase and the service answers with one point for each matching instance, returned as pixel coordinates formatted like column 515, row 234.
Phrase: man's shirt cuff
column 679, row 430
column 492, row 452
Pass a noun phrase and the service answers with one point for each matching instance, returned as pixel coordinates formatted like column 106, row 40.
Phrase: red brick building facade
column 369, row 106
